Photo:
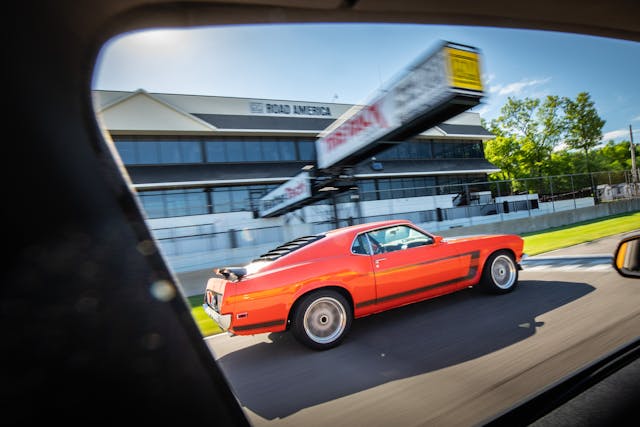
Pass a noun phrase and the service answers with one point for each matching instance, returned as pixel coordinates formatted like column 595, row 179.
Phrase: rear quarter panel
column 262, row 301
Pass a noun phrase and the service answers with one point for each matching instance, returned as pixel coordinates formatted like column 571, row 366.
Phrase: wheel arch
column 495, row 251
column 486, row 283
column 337, row 288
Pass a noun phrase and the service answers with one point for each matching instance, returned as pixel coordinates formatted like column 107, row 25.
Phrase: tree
column 536, row 125
column 612, row 157
column 504, row 152
column 583, row 125
column 564, row 162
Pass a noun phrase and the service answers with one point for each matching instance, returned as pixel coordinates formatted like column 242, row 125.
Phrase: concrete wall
column 543, row 222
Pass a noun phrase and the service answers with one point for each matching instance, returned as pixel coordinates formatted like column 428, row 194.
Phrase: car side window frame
column 364, row 243
column 429, row 239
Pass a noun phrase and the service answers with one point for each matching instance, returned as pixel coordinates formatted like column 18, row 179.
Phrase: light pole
column 634, row 168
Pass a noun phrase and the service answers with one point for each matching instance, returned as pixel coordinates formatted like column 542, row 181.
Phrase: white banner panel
column 295, row 190
column 423, row 88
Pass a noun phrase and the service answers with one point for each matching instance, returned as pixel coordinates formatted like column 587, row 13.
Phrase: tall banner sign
column 438, row 87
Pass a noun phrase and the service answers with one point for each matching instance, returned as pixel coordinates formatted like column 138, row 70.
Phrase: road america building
column 200, row 166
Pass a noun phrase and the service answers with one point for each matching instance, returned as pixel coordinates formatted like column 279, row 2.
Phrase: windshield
column 218, row 130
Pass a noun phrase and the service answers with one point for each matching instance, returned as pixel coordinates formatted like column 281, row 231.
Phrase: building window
column 138, row 150
column 180, row 152
column 156, row 150
column 216, row 151
column 367, row 190
column 395, row 188
column 240, row 199
column 235, row 151
column 171, row 203
column 127, row 151
column 458, row 150
column 145, row 152
column 153, row 203
column 287, row 150
column 307, row 150
column 426, row 149
column 423, row 150
column 271, row 151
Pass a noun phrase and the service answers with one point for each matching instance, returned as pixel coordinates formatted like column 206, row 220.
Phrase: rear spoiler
column 235, row 274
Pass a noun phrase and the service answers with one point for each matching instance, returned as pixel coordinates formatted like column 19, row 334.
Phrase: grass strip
column 206, row 325
column 581, row 232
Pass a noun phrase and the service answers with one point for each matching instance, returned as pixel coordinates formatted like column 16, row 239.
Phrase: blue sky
column 348, row 62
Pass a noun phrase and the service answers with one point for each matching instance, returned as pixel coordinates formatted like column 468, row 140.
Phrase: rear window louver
column 288, row 247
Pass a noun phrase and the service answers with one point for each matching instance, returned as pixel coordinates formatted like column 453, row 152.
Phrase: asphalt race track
column 455, row 360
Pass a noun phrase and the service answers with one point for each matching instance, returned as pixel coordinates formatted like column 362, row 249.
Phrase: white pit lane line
column 568, row 267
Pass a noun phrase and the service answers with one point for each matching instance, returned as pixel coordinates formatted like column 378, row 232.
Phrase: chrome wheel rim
column 325, row 320
column 503, row 272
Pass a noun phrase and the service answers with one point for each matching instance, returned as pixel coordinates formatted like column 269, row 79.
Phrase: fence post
column 594, row 190
column 496, row 204
column 573, row 192
column 233, row 242
column 553, row 203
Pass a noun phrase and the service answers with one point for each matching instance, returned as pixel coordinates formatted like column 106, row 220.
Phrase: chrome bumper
column 522, row 259
column 224, row 321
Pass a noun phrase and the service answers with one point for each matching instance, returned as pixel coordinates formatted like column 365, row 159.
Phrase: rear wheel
column 322, row 319
column 500, row 273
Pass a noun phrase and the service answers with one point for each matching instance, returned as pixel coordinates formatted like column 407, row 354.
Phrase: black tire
column 499, row 274
column 322, row 319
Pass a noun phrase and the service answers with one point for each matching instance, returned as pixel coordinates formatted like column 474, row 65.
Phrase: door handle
column 378, row 261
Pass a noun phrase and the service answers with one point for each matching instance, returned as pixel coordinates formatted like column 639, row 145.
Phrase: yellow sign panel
column 464, row 69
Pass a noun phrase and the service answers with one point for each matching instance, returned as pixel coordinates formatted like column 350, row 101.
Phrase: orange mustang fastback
column 316, row 285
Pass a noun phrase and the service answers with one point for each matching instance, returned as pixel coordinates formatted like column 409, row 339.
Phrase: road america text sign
column 421, row 95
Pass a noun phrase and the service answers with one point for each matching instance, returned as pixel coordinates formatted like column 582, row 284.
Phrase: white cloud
column 636, row 119
column 517, row 87
column 615, row 134
column 619, row 134
column 488, row 78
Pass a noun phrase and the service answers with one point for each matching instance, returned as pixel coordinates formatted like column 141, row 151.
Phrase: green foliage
column 583, row 125
column 565, row 162
column 504, row 152
column 529, row 133
column 613, row 157
column 532, row 128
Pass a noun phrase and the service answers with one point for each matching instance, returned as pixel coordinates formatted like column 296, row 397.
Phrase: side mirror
column 626, row 259
column 437, row 239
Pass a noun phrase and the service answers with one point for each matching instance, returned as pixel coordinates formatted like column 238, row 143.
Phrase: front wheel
column 500, row 273
column 322, row 319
